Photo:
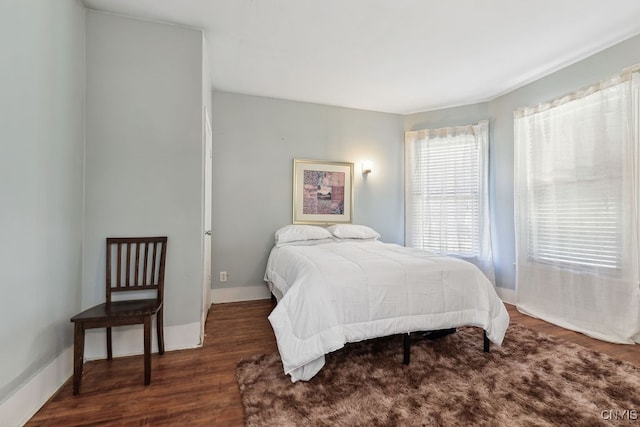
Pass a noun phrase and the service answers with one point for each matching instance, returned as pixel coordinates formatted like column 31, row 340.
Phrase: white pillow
column 301, row 233
column 352, row 231
column 308, row 242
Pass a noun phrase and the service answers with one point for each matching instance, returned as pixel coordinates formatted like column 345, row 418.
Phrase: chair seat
column 119, row 309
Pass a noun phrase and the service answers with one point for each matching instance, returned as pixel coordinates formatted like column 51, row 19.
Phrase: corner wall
column 255, row 140
column 42, row 82
column 143, row 162
column 501, row 139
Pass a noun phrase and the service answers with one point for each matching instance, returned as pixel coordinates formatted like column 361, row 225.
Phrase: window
column 446, row 192
column 577, row 191
column 574, row 161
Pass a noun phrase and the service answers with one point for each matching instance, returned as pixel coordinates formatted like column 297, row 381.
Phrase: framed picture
column 322, row 192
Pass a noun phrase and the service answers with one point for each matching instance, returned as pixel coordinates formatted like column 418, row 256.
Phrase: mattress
column 348, row 291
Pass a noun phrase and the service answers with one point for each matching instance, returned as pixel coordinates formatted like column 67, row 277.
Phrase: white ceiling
column 398, row 56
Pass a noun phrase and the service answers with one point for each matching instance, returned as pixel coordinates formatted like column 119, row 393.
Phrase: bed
column 342, row 284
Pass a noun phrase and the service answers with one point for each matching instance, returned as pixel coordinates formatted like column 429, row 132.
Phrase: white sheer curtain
column 446, row 193
column 576, row 187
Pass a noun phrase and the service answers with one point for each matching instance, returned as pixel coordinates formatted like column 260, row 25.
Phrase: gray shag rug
column 531, row 380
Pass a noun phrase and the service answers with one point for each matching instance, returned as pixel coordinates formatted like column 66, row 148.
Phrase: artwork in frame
column 322, row 192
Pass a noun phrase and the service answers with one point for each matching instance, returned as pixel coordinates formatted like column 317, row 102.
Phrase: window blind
column 576, row 231
column 446, row 196
column 574, row 164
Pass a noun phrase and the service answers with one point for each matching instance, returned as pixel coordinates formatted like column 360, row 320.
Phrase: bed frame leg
column 406, row 344
column 407, row 349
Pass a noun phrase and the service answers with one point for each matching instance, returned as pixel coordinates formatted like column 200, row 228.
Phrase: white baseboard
column 127, row 340
column 242, row 293
column 507, row 295
column 24, row 403
column 28, row 399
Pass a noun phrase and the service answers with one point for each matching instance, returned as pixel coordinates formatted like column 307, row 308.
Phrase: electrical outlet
column 224, row 276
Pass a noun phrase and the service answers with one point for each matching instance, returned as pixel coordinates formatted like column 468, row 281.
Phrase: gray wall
column 144, row 152
column 255, row 140
column 41, row 150
column 501, row 146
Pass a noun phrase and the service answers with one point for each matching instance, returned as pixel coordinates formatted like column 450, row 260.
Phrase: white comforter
column 335, row 293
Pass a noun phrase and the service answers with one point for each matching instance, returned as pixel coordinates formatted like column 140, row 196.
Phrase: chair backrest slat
column 147, row 271
column 146, row 259
column 136, row 278
column 119, row 271
column 128, row 271
column 153, row 264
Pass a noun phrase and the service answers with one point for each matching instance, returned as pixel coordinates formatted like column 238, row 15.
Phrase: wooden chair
column 133, row 264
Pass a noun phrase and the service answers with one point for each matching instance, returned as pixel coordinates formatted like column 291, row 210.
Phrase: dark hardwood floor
column 188, row 387
column 198, row 386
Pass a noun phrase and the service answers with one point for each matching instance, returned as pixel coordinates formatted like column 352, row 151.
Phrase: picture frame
column 322, row 192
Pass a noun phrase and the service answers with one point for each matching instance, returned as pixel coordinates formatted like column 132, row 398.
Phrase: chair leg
column 78, row 355
column 147, row 350
column 160, row 330
column 109, row 348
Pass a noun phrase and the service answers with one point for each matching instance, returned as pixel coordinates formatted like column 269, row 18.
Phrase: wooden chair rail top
column 116, row 288
column 129, row 308
column 136, row 239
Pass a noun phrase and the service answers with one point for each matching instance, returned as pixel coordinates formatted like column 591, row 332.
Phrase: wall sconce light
column 367, row 167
